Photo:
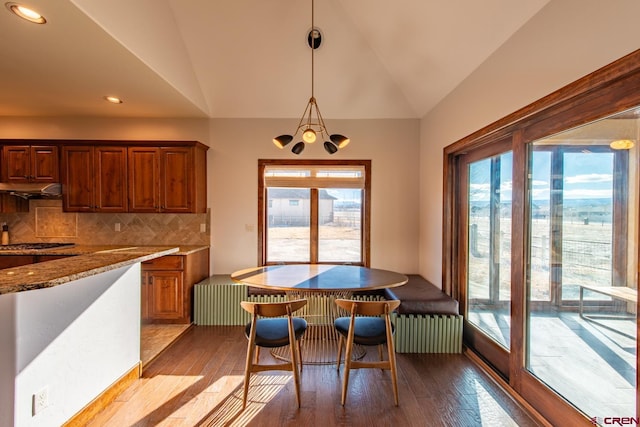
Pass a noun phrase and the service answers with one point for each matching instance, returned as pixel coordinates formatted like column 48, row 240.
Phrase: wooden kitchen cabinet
column 30, row 163
column 167, row 286
column 94, row 178
column 164, row 295
column 11, row 261
column 13, row 204
column 167, row 179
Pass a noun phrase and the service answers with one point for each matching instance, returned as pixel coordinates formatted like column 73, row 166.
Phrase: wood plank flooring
column 155, row 338
column 198, row 382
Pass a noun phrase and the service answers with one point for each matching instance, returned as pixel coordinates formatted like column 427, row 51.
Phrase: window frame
column 314, row 239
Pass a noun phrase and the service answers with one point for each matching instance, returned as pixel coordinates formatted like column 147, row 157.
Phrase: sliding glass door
column 581, row 300
column 577, row 228
column 540, row 247
column 487, row 249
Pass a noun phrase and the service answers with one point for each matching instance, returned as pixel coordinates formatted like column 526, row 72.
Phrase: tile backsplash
column 46, row 222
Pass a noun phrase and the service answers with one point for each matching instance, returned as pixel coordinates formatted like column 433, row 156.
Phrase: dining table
column 320, row 285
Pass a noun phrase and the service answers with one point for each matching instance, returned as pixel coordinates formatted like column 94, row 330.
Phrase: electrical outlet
column 40, row 400
column 117, row 227
column 203, row 228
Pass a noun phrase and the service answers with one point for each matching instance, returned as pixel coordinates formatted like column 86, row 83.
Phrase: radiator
column 217, row 302
column 428, row 333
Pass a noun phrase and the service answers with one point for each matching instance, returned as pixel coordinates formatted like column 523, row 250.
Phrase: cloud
column 589, row 178
column 539, row 183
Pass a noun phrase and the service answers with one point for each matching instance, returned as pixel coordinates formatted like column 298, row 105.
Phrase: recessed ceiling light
column 113, row 99
column 26, row 13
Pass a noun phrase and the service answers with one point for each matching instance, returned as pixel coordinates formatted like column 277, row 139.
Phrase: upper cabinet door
column 44, row 163
column 24, row 163
column 110, row 171
column 77, row 179
column 176, row 179
column 144, row 179
column 15, row 160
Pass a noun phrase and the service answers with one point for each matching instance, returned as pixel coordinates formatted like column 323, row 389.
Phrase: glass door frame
column 609, row 90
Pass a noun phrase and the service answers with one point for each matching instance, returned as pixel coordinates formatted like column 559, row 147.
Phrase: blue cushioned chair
column 268, row 329
column 368, row 324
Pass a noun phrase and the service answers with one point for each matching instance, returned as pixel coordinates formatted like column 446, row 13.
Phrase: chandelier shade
column 311, row 125
column 340, row 140
column 309, row 136
column 298, row 148
column 282, row 140
column 330, row 147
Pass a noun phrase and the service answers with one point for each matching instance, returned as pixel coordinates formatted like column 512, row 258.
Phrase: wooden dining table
column 320, row 285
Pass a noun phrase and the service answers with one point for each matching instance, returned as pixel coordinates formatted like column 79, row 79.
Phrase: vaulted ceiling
column 246, row 58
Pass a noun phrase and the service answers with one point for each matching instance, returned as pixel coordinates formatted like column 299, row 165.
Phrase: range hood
column 29, row 190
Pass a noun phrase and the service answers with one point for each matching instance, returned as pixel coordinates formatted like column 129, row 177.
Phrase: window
column 314, row 211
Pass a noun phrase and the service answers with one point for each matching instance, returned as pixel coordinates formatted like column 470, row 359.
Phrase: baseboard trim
column 500, row 382
column 87, row 413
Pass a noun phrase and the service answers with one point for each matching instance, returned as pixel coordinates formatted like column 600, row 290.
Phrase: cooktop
column 27, row 246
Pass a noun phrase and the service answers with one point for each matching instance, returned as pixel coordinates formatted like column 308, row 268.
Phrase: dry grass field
column 339, row 241
column 586, row 258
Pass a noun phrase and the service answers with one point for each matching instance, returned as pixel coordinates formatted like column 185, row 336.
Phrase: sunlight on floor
column 491, row 413
column 262, row 388
column 172, row 383
column 219, row 404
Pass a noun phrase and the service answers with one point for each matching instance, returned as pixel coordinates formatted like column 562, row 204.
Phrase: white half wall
column 565, row 41
column 73, row 340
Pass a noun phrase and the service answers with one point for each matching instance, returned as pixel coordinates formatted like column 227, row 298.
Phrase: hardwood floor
column 198, row 382
column 155, row 338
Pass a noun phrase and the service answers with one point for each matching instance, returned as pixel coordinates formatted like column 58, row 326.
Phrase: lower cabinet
column 11, row 261
column 12, row 204
column 167, row 286
column 164, row 298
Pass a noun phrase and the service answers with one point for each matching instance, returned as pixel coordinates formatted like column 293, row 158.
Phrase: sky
column 587, row 175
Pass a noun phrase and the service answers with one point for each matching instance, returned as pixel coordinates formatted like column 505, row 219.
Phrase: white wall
column 566, row 40
column 237, row 144
column 75, row 340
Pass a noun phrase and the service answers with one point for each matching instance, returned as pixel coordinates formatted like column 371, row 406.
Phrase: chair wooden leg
column 247, row 374
column 340, row 344
column 294, row 368
column 300, row 353
column 394, row 371
column 257, row 355
column 347, row 370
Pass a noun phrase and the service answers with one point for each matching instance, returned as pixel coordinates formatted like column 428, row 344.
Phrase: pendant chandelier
column 311, row 126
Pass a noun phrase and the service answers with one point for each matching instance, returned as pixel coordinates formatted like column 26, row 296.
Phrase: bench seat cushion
column 419, row 296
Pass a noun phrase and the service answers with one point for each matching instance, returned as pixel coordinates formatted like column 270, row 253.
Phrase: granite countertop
column 83, row 261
